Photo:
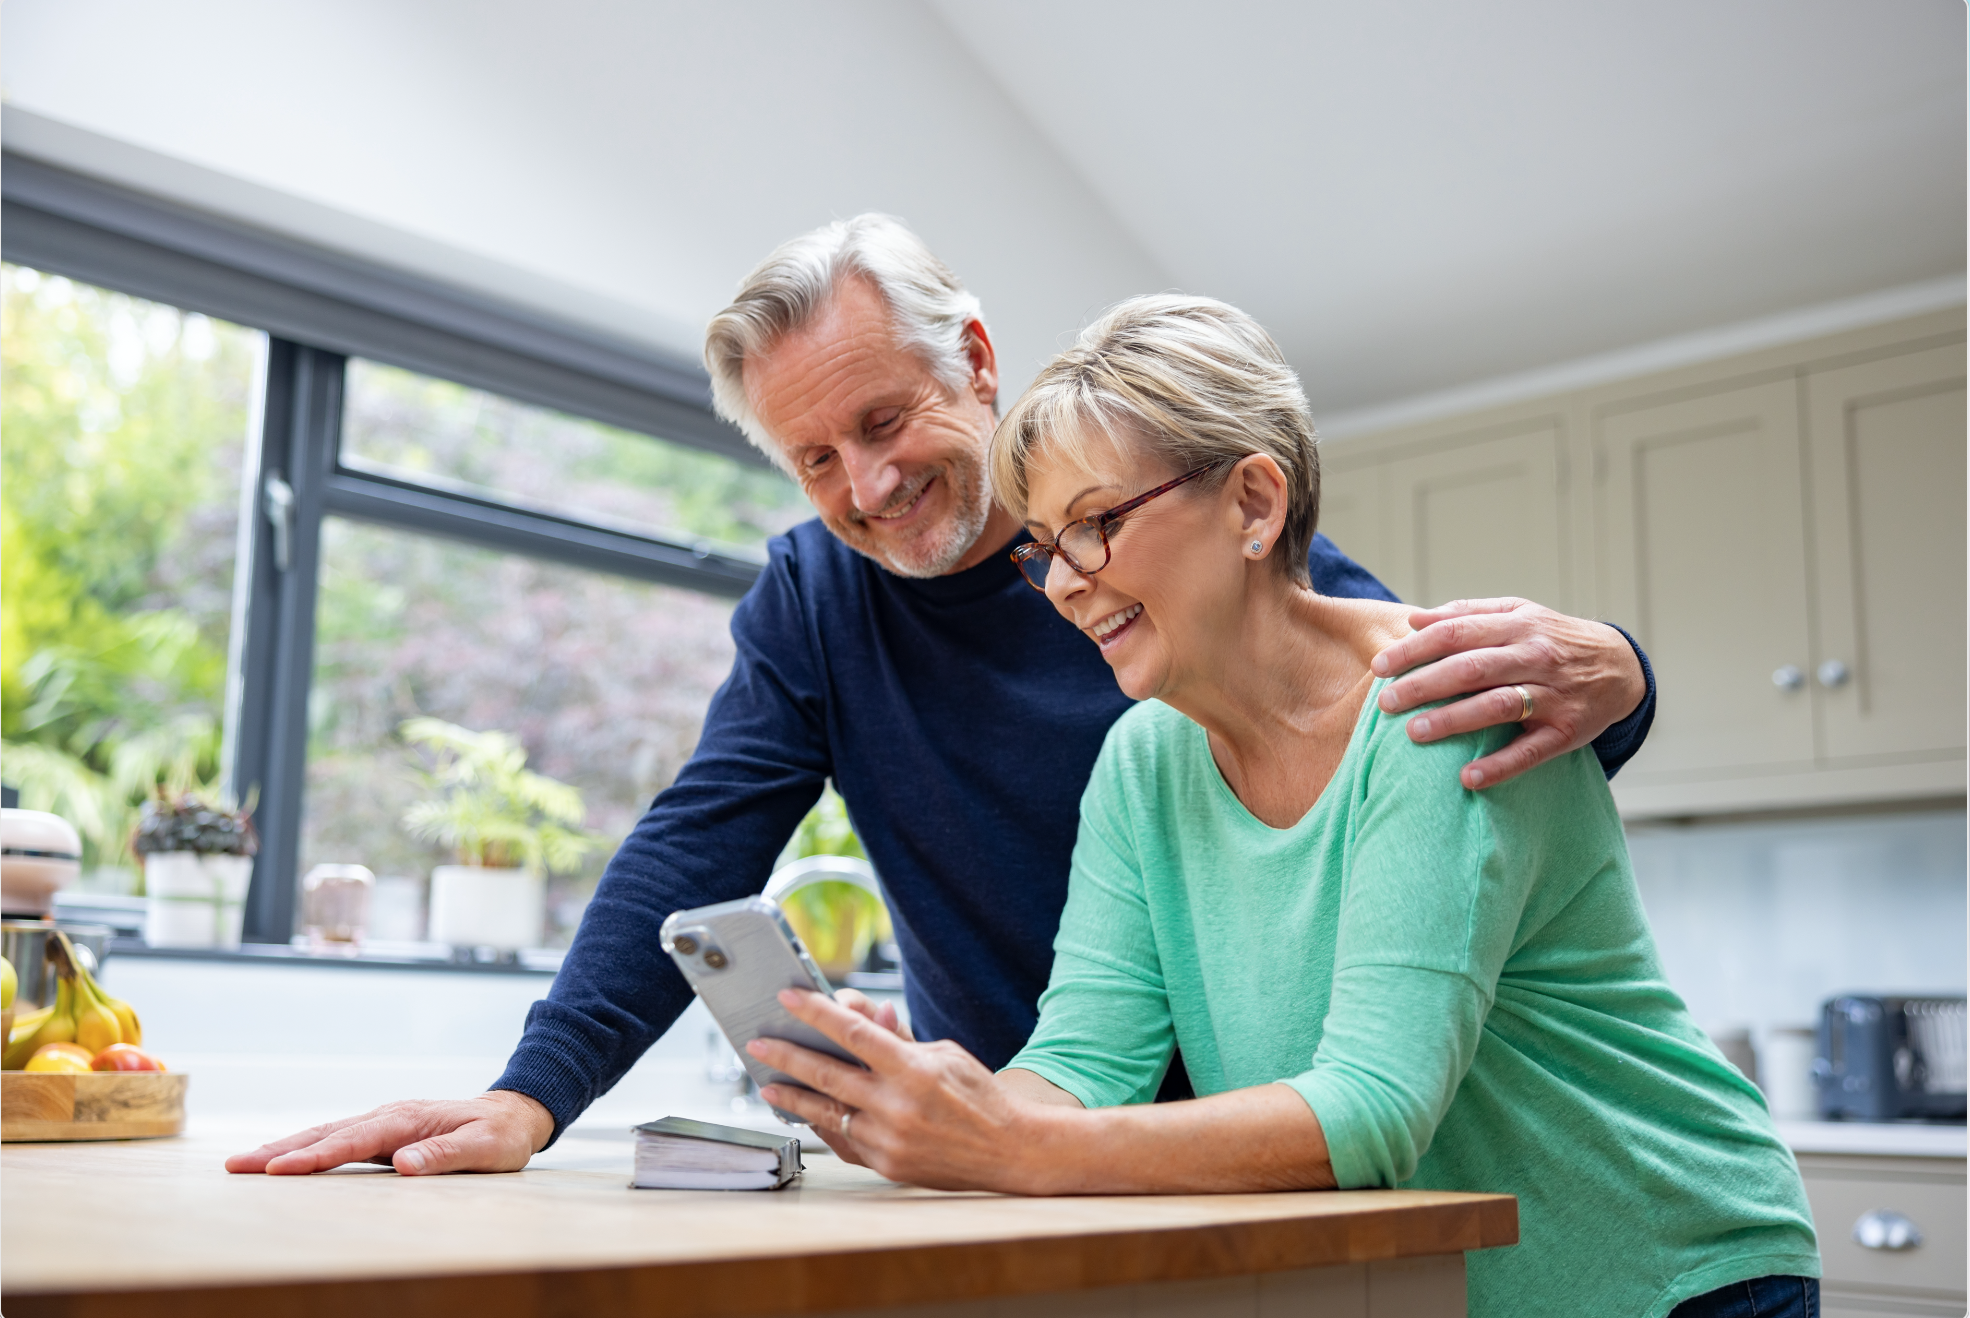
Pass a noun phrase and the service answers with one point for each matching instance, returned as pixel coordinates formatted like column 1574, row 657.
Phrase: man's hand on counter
column 495, row 1132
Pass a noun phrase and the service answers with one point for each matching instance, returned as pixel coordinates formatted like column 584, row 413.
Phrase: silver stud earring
column 1258, row 546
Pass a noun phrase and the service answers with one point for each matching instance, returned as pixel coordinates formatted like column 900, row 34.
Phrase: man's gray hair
column 930, row 308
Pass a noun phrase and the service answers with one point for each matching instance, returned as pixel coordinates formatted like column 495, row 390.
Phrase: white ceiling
column 1412, row 196
column 1422, row 193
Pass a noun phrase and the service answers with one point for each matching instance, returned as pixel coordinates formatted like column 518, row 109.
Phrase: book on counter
column 677, row 1153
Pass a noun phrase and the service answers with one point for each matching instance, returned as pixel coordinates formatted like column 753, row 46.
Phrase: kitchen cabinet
column 1886, row 444
column 1791, row 551
column 1703, row 552
column 1864, row 1282
column 1351, row 511
column 1447, row 508
column 1783, row 531
column 1461, row 515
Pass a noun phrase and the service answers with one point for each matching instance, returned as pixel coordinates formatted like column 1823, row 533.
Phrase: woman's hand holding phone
column 882, row 1013
column 926, row 1113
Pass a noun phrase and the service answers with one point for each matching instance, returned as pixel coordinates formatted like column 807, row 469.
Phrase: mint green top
column 1461, row 985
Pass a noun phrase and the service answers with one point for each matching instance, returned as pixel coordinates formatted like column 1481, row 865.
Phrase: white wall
column 292, row 1045
column 1757, row 923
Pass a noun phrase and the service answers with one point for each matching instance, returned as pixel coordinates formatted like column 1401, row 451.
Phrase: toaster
column 1891, row 1058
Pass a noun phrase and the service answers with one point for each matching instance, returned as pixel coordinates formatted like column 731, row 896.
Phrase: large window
column 124, row 425
column 603, row 679
column 431, row 432
column 242, row 560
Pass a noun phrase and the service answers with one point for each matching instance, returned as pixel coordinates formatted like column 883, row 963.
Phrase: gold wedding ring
column 1525, row 703
column 846, row 1117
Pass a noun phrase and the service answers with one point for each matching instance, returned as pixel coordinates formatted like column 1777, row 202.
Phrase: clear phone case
column 737, row 957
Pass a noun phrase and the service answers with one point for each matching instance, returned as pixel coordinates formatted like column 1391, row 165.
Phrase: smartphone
column 737, row 957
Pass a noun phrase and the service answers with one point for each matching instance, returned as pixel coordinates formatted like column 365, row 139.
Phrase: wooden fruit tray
column 102, row 1105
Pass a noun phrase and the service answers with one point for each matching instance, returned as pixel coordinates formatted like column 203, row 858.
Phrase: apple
column 125, row 1057
column 62, row 1058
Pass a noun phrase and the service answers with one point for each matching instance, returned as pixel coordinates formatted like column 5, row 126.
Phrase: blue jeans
column 1767, row 1297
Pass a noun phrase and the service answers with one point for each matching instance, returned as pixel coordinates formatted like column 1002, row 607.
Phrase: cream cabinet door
column 1480, row 516
column 1351, row 513
column 1703, row 551
column 1887, row 450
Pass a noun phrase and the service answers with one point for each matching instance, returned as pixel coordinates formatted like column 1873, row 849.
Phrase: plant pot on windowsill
column 503, row 907
column 508, row 826
column 198, row 863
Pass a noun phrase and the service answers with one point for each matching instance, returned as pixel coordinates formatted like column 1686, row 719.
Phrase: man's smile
column 904, row 512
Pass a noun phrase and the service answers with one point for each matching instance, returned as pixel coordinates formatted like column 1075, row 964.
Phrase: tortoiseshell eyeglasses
column 1084, row 544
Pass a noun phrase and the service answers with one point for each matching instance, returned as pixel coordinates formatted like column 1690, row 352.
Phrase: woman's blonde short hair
column 1183, row 380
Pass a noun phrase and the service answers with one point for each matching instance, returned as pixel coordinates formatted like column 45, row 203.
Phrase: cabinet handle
column 1886, row 1229
column 1788, row 678
column 1833, row 674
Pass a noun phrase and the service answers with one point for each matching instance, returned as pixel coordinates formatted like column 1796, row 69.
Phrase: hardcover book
column 677, row 1153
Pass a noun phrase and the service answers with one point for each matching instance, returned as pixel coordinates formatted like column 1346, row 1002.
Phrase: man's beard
column 937, row 547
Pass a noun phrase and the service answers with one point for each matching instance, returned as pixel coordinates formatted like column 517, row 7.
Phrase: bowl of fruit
column 76, row 1070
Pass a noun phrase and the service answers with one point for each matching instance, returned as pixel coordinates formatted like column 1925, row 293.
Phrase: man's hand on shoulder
column 494, row 1132
column 1583, row 678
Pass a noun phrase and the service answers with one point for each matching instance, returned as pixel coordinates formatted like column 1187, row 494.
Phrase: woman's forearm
column 930, row 1115
column 1263, row 1138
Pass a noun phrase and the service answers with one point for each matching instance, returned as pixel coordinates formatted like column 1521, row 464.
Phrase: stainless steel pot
column 25, row 944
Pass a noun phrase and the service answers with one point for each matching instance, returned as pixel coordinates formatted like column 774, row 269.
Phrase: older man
column 894, row 648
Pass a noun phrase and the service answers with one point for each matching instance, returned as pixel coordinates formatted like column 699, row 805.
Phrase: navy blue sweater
column 959, row 717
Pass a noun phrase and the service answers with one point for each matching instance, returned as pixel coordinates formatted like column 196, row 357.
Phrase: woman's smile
column 1108, row 631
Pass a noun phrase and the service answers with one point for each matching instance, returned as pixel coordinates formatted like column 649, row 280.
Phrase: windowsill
column 413, row 956
column 533, row 962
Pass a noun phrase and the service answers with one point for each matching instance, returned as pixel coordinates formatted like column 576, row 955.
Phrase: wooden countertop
column 158, row 1227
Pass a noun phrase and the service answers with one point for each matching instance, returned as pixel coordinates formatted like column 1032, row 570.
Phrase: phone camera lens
column 685, row 944
column 715, row 959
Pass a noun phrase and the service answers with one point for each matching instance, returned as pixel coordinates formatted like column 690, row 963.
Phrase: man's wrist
column 1634, row 675
column 539, row 1121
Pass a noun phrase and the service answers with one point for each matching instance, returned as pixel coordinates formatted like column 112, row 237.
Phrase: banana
column 59, row 1027
column 126, row 1016
column 29, row 1023
column 128, row 1027
column 96, row 1026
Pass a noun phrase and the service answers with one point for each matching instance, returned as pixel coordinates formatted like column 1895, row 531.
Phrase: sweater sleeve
column 1105, row 1033
column 711, row 836
column 1436, row 883
column 1618, row 744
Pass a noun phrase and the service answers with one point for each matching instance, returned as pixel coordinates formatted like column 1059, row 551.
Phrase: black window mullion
column 510, row 530
column 300, row 423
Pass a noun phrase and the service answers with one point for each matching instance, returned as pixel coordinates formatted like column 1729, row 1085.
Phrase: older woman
column 1376, row 977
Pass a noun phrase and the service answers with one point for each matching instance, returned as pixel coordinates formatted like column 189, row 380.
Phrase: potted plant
column 197, row 854
column 507, row 826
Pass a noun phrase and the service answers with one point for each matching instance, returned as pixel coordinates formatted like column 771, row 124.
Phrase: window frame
column 319, row 309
